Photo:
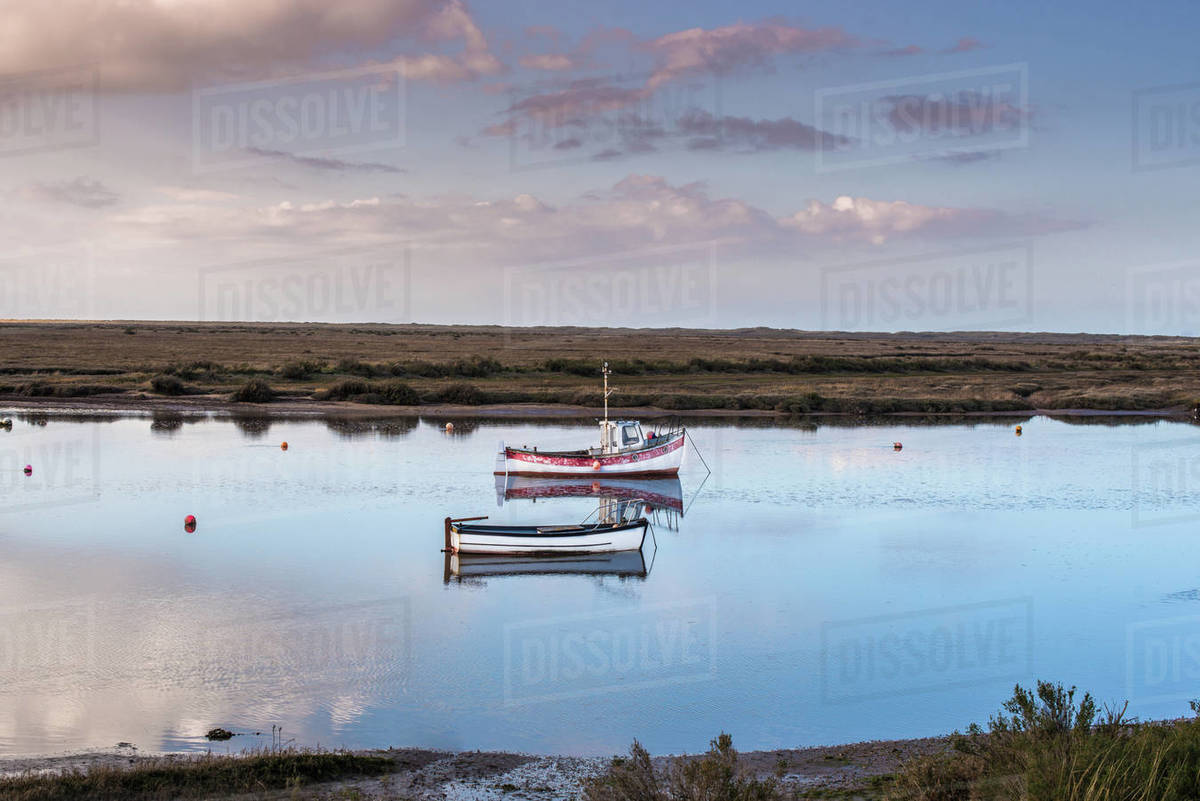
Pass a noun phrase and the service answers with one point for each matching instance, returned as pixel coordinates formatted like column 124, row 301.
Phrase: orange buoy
column 283, row 446
column 596, row 464
column 449, row 427
column 897, row 446
column 28, row 470
column 1018, row 432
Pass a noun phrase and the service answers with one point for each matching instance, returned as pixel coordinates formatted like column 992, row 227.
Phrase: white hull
column 601, row 540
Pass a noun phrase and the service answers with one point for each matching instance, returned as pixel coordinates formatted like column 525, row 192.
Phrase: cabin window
column 629, row 434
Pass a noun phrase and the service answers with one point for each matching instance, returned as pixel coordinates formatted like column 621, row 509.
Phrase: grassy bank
column 197, row 777
column 790, row 372
column 1046, row 744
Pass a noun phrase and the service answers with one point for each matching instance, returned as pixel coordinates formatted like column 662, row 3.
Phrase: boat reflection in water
column 661, row 498
column 618, row 499
column 623, row 564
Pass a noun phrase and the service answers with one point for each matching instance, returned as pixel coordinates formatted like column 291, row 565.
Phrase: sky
column 868, row 166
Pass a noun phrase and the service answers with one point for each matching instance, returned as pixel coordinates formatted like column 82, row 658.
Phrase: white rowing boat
column 619, row 527
column 468, row 537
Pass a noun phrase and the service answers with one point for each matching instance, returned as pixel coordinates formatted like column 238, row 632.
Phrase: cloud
column 83, row 192
column 965, row 45
column 553, row 62
column 547, row 31
column 968, row 157
column 323, row 163
column 910, row 50
column 639, row 210
column 577, row 100
column 711, row 133
column 876, row 221
column 677, row 57
column 723, row 50
column 960, row 114
column 166, row 46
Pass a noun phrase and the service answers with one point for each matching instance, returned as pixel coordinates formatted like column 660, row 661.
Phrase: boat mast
column 604, row 437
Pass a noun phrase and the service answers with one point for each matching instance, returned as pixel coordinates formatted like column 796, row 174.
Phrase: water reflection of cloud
column 92, row 670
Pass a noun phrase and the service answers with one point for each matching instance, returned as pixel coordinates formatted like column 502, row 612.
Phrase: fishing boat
column 618, row 528
column 625, row 449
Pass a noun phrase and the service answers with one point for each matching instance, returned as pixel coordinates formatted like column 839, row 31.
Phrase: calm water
column 819, row 588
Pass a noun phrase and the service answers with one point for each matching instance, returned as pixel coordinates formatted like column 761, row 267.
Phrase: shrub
column 391, row 393
column 1050, row 746
column 193, row 370
column 254, row 391
column 356, row 367
column 397, row 393
column 42, row 389
column 465, row 394
column 712, row 777
column 344, row 390
column 167, row 385
column 299, row 370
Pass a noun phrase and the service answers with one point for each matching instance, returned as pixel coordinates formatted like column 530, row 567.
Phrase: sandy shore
column 431, row 775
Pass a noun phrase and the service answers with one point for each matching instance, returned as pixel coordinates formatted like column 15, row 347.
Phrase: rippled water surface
column 818, row 587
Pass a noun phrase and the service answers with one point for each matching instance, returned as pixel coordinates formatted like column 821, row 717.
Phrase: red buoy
column 189, row 523
column 283, row 446
column 28, row 470
column 596, row 464
column 897, row 446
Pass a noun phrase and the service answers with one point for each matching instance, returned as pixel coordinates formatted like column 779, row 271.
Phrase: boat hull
column 657, row 460
column 547, row 540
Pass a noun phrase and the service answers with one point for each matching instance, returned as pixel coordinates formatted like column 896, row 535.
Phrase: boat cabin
column 621, row 435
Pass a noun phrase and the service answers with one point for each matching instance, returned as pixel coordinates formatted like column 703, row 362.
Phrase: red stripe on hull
column 655, row 452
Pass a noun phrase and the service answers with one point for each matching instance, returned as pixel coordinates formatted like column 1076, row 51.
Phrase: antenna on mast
column 606, row 373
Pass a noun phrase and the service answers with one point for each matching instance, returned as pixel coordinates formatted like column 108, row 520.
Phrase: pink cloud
column 731, row 47
column 554, row 62
column 965, row 45
column 910, row 50
column 156, row 46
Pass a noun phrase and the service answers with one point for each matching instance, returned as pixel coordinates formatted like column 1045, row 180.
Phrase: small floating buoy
column 283, row 445
column 28, row 470
column 189, row 523
column 1018, row 431
column 449, row 427
column 596, row 464
column 897, row 446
